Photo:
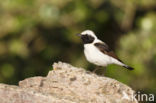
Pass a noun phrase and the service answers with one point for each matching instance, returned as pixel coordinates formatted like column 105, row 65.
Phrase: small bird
column 98, row 52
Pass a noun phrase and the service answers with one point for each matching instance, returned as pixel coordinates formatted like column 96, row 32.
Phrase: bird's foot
column 94, row 71
column 101, row 72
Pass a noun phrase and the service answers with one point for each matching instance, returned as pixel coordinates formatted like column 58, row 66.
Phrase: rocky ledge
column 67, row 84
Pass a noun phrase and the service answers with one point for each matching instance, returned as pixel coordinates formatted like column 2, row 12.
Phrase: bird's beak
column 78, row 35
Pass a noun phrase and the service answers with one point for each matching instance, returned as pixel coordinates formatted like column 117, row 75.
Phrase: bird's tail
column 128, row 67
column 121, row 63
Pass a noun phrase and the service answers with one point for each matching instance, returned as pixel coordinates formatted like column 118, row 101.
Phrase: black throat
column 87, row 39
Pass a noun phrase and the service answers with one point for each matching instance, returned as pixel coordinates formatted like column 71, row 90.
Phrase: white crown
column 89, row 32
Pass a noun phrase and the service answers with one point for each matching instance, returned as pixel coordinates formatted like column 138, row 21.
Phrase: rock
column 67, row 84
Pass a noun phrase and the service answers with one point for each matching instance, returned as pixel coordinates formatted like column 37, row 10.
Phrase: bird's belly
column 93, row 55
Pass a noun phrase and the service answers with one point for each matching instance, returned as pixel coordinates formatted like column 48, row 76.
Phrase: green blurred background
column 36, row 33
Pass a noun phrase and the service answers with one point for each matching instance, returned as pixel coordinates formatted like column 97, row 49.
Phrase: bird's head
column 87, row 36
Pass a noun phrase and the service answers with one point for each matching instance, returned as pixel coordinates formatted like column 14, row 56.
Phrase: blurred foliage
column 138, row 49
column 36, row 33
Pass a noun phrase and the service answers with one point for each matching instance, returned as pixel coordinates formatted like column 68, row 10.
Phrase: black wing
column 106, row 50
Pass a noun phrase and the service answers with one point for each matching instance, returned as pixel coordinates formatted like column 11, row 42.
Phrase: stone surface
column 67, row 84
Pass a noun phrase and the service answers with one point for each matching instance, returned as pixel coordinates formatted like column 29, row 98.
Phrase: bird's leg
column 104, row 71
column 97, row 67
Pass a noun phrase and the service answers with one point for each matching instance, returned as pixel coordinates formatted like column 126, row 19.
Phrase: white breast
column 95, row 56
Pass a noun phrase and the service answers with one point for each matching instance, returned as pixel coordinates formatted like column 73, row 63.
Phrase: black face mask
column 87, row 39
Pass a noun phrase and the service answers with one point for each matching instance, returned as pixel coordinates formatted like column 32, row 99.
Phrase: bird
column 98, row 52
